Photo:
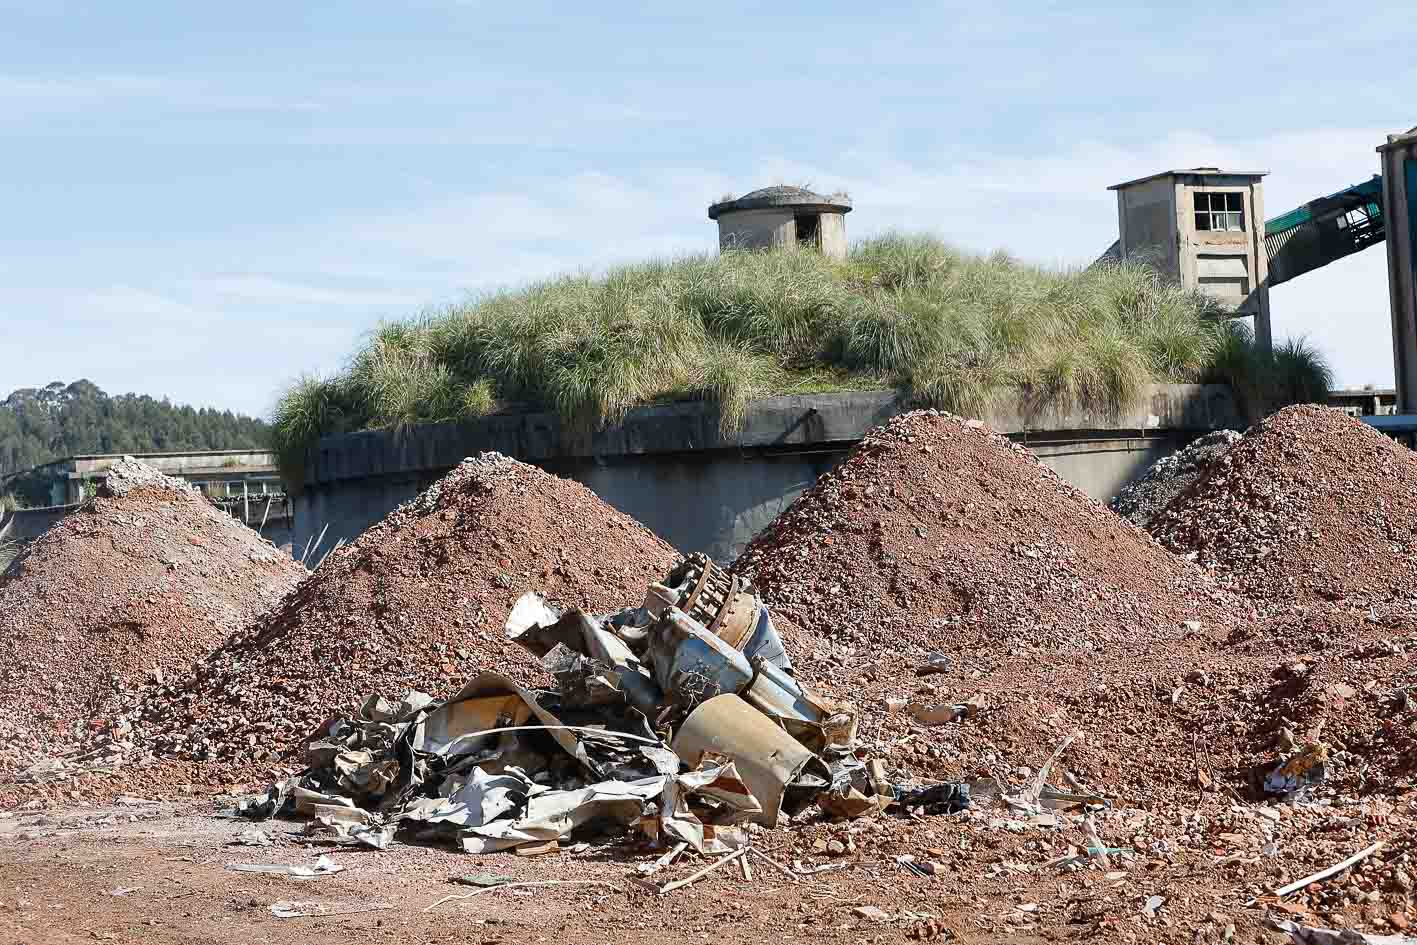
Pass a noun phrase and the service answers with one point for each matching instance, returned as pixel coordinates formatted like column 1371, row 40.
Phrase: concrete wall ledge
column 771, row 424
column 24, row 524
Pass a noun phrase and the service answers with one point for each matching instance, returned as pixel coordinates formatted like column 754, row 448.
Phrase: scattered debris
column 482, row 880
column 695, row 877
column 1303, row 769
column 935, row 662
column 324, row 866
column 290, row 909
column 1334, row 870
column 545, row 882
column 250, row 837
column 503, row 767
column 1312, row 935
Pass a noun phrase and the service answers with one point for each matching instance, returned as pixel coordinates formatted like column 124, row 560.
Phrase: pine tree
column 40, row 425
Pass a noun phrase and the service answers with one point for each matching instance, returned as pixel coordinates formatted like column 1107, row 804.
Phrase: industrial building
column 1399, row 161
column 245, row 483
column 776, row 217
column 1203, row 228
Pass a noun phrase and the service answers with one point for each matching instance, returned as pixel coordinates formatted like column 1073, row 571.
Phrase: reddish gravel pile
column 418, row 601
column 937, row 530
column 1309, row 505
column 146, row 577
column 939, row 535
column 1341, row 676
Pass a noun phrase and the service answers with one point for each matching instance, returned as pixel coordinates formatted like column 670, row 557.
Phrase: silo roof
column 798, row 198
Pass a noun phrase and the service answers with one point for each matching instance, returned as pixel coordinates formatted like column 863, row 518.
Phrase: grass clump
column 952, row 330
column 1295, row 372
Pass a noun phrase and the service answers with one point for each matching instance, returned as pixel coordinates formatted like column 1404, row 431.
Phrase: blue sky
column 205, row 201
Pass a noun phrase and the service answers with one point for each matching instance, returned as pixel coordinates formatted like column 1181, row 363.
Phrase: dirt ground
column 146, row 872
column 157, row 874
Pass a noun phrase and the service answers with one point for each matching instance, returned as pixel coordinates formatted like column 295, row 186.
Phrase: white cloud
column 269, row 290
column 579, row 223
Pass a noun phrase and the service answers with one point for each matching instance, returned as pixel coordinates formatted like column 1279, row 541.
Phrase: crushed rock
column 1309, row 505
column 418, row 601
column 146, row 577
column 1145, row 498
column 938, row 535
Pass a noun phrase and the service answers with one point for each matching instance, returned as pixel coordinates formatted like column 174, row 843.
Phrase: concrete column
column 1401, row 270
column 1264, row 331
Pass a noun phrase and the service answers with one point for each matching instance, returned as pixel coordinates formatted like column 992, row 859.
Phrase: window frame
column 1218, row 219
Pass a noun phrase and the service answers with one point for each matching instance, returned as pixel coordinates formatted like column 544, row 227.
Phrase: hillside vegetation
column 952, row 330
column 38, row 425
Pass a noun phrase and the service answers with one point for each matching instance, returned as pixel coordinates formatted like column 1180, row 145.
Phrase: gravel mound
column 1143, row 500
column 147, row 577
column 128, row 475
column 1047, row 610
column 417, row 601
column 1320, row 673
column 936, row 529
column 1308, row 505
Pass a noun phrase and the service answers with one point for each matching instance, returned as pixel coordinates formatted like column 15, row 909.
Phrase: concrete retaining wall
column 24, row 524
column 670, row 466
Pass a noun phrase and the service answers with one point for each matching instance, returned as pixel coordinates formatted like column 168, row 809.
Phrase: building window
column 1222, row 212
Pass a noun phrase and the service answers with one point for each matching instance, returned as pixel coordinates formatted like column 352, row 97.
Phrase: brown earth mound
column 939, row 535
column 1309, row 505
column 937, row 530
column 146, row 577
column 418, row 601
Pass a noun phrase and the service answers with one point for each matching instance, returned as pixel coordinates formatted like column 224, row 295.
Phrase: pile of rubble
column 936, row 529
column 987, row 608
column 681, row 717
column 1143, row 500
column 680, row 725
column 1328, row 683
column 416, row 602
column 1310, row 505
column 137, row 584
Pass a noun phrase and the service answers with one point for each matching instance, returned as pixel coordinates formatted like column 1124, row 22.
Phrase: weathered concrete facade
column 671, row 467
column 1399, row 159
column 783, row 218
column 219, row 473
column 24, row 524
column 1204, row 228
column 245, row 483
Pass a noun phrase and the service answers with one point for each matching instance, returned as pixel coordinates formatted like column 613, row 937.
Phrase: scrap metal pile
column 680, row 717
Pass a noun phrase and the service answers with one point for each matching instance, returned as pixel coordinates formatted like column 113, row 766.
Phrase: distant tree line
column 39, row 425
